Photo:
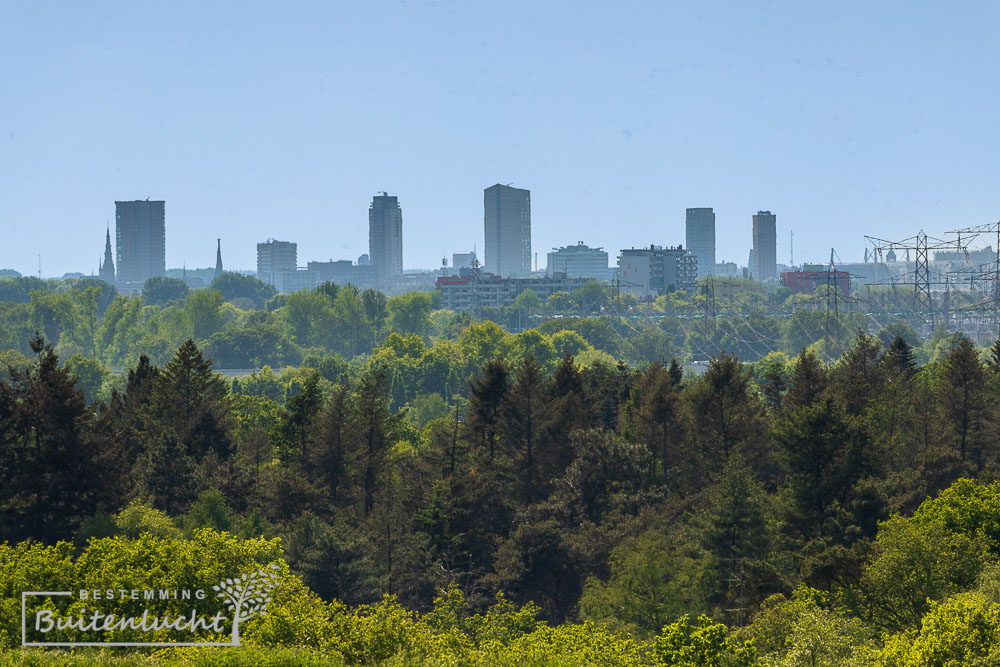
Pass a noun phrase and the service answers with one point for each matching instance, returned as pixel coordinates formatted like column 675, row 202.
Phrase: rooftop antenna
column 39, row 266
column 791, row 247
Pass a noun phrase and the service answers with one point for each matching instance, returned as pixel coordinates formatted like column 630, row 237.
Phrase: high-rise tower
column 140, row 236
column 275, row 258
column 107, row 271
column 765, row 246
column 508, row 230
column 700, row 238
column 385, row 235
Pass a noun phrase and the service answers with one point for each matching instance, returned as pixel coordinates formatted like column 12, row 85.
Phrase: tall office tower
column 700, row 238
column 385, row 235
column 274, row 258
column 508, row 230
column 218, row 258
column 765, row 246
column 107, row 271
column 140, row 236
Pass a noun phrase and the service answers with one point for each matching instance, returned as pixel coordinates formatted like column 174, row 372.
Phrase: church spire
column 218, row 258
column 108, row 267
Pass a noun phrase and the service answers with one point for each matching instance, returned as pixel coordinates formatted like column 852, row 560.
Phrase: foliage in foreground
column 960, row 624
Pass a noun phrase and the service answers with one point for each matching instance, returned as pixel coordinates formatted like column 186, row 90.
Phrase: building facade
column 806, row 282
column 296, row 280
column 652, row 271
column 507, row 222
column 462, row 260
column 699, row 226
column 385, row 235
column 472, row 289
column 343, row 272
column 274, row 258
column 579, row 261
column 765, row 246
column 140, row 235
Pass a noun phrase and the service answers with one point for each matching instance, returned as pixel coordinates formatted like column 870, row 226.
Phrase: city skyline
column 257, row 123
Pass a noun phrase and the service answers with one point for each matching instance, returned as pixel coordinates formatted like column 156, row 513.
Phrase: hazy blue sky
column 282, row 120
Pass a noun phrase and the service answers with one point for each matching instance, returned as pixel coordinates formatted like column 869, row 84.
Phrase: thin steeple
column 218, row 258
column 108, row 267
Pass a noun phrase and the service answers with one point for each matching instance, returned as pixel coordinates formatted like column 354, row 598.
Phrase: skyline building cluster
column 140, row 250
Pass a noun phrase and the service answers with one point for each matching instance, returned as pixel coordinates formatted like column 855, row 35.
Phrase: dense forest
column 439, row 490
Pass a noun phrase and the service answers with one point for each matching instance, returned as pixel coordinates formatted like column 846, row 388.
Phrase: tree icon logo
column 247, row 596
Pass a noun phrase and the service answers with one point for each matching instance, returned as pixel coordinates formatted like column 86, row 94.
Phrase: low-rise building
column 287, row 282
column 472, row 289
column 344, row 271
column 806, row 282
column 579, row 261
column 653, row 271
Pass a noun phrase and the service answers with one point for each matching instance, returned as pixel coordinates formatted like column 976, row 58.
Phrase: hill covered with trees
column 518, row 497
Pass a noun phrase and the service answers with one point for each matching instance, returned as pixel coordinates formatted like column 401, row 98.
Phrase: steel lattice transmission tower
column 921, row 245
column 989, row 271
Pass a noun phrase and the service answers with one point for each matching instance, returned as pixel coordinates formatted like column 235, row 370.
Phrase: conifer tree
column 127, row 411
column 298, row 418
column 654, row 419
column 899, row 359
column 737, row 536
column 725, row 414
column 565, row 412
column 486, row 394
column 327, row 460
column 994, row 359
column 963, row 398
column 374, row 429
column 858, row 377
column 522, row 418
column 809, row 379
column 56, row 466
column 190, row 399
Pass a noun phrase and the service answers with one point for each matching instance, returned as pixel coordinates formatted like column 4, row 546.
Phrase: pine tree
column 486, row 394
column 963, row 398
column 327, row 460
column 165, row 471
column 725, row 414
column 298, row 418
column 809, row 379
column 676, row 373
column 899, row 359
column 56, row 465
column 654, row 418
column 190, row 399
column 127, row 412
column 737, row 536
column 374, row 428
column 826, row 452
column 858, row 377
column 565, row 412
column 994, row 358
column 522, row 417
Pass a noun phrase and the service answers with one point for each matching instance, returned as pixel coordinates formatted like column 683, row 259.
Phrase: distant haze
column 256, row 120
